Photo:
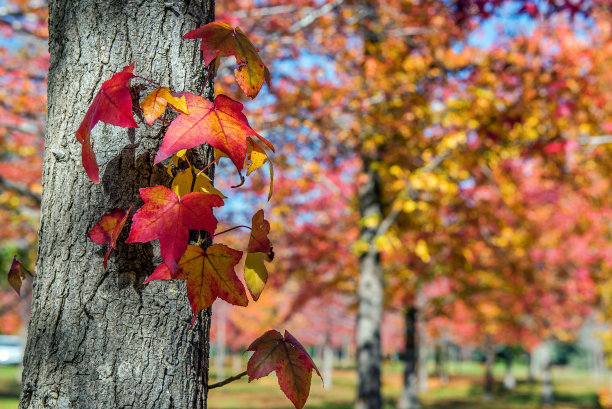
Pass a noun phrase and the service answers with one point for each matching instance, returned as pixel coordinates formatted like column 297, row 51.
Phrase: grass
column 573, row 390
column 9, row 387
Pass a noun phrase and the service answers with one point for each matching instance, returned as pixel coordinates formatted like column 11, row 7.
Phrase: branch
column 265, row 11
column 311, row 17
column 388, row 221
column 595, row 140
column 7, row 184
column 228, row 380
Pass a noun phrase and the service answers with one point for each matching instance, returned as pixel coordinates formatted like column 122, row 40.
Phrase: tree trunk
column 370, row 294
column 327, row 368
column 548, row 398
column 509, row 379
column 531, row 364
column 422, row 342
column 489, row 361
column 409, row 398
column 370, row 290
column 100, row 339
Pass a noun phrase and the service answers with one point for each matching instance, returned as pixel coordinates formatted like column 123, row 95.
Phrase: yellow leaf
column 255, row 273
column 422, row 251
column 180, row 155
column 182, row 184
column 155, row 104
column 256, row 155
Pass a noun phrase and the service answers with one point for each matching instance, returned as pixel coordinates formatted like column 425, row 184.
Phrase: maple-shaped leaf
column 184, row 183
column 258, row 157
column 17, row 273
column 167, row 217
column 107, row 230
column 220, row 39
column 259, row 250
column 211, row 274
column 222, row 125
column 154, row 105
column 112, row 105
column 288, row 358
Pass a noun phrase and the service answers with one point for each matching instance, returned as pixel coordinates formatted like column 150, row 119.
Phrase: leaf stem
column 228, row 380
column 233, row 228
column 209, row 165
column 211, row 67
column 146, row 79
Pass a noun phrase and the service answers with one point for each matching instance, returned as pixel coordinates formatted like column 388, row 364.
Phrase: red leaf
column 160, row 273
column 288, row 358
column 166, row 217
column 17, row 274
column 108, row 229
column 221, row 125
column 112, row 105
column 220, row 39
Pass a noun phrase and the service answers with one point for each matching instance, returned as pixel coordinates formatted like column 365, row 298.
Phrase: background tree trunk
column 370, row 294
column 409, row 398
column 370, row 291
column 489, row 361
column 100, row 339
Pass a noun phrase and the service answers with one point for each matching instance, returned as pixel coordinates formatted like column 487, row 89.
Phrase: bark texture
column 370, row 294
column 100, row 339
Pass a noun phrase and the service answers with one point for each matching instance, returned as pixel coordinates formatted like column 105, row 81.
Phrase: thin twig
column 228, row 380
column 233, row 228
column 146, row 79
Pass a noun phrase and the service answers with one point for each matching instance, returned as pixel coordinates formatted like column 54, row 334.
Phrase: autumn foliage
column 170, row 214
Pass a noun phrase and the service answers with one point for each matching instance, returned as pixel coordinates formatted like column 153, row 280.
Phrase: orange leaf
column 210, row 274
column 154, row 105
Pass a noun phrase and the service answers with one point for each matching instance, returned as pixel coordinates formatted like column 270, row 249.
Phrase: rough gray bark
column 100, row 339
column 409, row 398
column 370, row 295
